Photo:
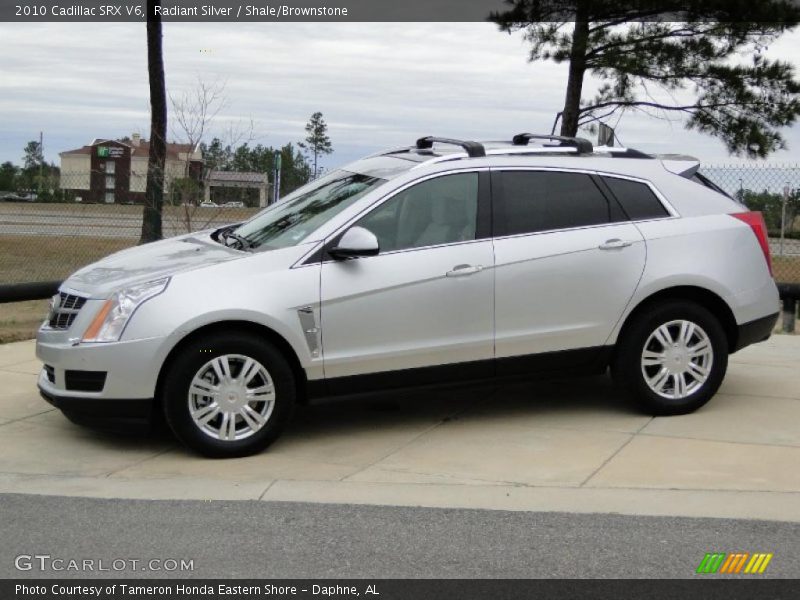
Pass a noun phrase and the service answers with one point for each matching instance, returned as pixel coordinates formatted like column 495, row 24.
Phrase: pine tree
column 317, row 141
column 154, row 189
column 713, row 49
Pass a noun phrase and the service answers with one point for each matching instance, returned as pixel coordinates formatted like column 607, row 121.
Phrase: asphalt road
column 289, row 540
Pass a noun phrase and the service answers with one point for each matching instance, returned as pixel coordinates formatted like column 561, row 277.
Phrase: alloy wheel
column 231, row 397
column 676, row 359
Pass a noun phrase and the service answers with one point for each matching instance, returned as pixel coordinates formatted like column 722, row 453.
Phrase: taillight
column 756, row 221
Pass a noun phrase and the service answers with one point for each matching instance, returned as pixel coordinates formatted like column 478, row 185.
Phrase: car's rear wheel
column 672, row 358
column 228, row 394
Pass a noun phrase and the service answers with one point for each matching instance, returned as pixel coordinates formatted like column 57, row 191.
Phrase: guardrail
column 18, row 292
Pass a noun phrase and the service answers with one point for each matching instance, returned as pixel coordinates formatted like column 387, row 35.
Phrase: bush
column 771, row 206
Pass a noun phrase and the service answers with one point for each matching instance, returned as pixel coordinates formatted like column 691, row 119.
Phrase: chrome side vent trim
column 308, row 321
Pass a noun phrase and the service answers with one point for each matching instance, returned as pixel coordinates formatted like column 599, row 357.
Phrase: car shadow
column 562, row 399
column 551, row 400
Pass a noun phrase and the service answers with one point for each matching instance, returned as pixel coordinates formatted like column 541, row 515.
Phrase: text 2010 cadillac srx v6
column 440, row 262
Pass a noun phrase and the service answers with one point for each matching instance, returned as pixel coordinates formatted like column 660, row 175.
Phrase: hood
column 148, row 262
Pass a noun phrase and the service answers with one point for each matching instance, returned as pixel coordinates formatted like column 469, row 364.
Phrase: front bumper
column 122, row 400
column 118, row 415
column 131, row 367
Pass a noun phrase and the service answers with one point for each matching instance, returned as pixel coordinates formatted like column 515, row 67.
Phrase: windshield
column 289, row 222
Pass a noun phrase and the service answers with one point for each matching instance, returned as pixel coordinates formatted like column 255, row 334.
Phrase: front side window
column 535, row 201
column 306, row 210
column 437, row 211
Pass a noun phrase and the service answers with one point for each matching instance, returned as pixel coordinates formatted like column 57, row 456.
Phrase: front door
column 421, row 310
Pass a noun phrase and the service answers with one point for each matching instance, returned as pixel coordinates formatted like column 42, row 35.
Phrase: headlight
column 110, row 321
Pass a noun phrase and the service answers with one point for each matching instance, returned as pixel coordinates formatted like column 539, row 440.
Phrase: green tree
column 242, row 159
column 295, row 170
column 8, row 177
column 216, row 156
column 771, row 206
column 31, row 174
column 33, row 158
column 317, row 141
column 46, row 183
column 712, row 50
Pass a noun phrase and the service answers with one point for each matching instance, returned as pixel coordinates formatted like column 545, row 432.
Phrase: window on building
column 109, row 182
column 438, row 211
column 541, row 201
column 109, row 197
column 110, row 167
column 637, row 199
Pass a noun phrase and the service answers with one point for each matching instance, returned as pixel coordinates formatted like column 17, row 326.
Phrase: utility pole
column 276, row 178
column 786, row 191
column 41, row 164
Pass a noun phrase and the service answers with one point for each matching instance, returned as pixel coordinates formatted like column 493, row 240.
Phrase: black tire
column 197, row 353
column 627, row 369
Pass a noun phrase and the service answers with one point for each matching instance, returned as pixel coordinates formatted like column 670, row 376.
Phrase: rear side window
column 637, row 199
column 534, row 201
column 705, row 181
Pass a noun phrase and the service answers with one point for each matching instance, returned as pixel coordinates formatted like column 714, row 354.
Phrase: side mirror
column 356, row 242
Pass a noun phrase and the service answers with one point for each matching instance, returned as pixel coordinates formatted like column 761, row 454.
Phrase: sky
column 378, row 85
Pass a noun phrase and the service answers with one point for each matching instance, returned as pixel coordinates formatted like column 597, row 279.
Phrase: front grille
column 68, row 308
column 51, row 373
column 85, row 381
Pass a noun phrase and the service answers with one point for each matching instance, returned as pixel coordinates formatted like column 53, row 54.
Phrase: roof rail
column 473, row 149
column 583, row 145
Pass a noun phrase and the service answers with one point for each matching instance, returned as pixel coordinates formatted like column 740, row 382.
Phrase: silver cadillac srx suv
column 446, row 261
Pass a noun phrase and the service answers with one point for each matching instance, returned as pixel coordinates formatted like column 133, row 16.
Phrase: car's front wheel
column 672, row 358
column 228, row 394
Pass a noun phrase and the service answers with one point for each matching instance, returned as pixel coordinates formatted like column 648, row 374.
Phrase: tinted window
column 541, row 201
column 438, row 211
column 637, row 199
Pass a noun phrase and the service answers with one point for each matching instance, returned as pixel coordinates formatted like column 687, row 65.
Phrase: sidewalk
column 571, row 446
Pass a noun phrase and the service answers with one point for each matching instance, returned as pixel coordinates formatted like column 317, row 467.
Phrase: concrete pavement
column 559, row 446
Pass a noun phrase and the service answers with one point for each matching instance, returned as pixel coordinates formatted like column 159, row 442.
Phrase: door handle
column 614, row 244
column 464, row 270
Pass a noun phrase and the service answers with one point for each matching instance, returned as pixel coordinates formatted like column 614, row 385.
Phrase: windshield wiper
column 243, row 242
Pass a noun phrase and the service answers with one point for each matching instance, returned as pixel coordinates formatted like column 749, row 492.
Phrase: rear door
column 567, row 262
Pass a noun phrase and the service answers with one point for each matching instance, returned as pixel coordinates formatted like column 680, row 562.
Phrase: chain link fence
column 48, row 237
column 773, row 189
